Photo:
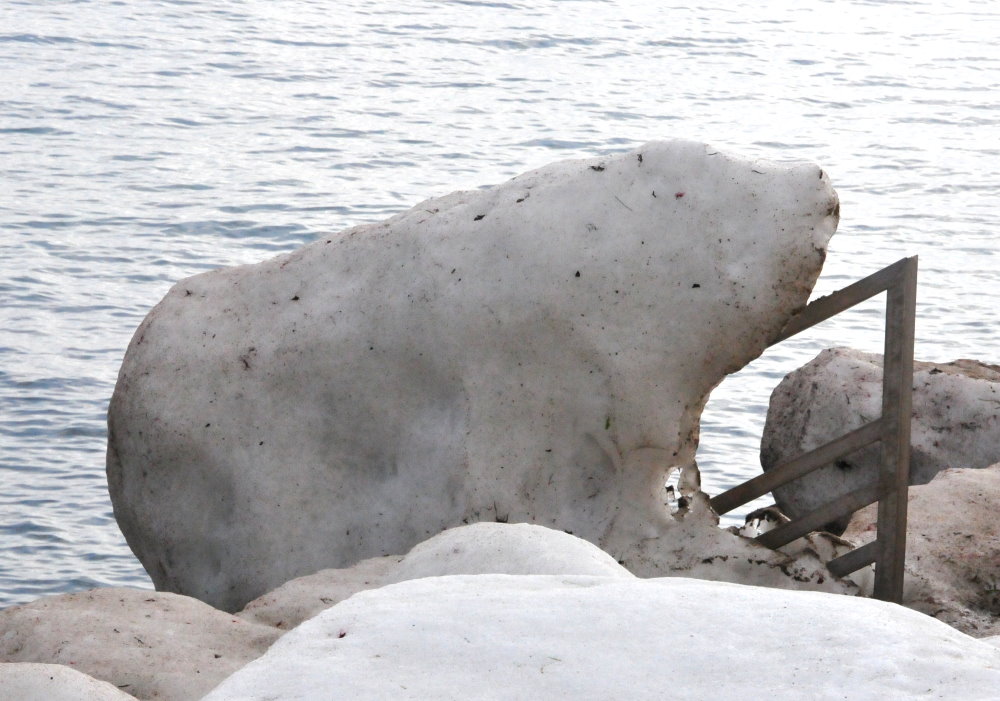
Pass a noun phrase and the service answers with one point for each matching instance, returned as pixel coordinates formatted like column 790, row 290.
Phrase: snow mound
column 479, row 548
column 498, row 548
column 582, row 637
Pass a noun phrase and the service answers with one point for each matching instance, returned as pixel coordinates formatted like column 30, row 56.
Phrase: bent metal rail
column 892, row 429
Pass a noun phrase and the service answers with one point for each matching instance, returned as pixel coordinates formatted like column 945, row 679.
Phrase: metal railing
column 892, row 429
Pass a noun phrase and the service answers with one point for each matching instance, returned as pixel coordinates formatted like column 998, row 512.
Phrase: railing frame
column 891, row 429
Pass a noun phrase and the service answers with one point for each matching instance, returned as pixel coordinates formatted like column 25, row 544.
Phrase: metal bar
column 890, row 489
column 894, row 476
column 832, row 304
column 853, row 560
column 797, row 467
column 841, row 506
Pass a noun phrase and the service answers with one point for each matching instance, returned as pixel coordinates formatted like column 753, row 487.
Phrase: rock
column 304, row 597
column 952, row 569
column 582, row 637
column 536, row 352
column 956, row 422
column 161, row 646
column 53, row 682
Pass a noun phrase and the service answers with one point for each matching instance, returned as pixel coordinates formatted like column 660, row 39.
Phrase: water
column 144, row 142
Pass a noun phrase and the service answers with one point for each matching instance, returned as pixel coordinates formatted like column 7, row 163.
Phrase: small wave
column 557, row 143
column 33, row 130
column 43, row 39
column 243, row 209
column 181, row 121
column 37, row 39
column 318, row 44
column 483, row 3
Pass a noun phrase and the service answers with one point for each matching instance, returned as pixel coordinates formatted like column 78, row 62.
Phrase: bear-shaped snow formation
column 537, row 352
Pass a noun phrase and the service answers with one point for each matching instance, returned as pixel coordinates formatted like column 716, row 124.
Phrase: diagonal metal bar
column 797, row 467
column 854, row 560
column 832, row 304
column 843, row 505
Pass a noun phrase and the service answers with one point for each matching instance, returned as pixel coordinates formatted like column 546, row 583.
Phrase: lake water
column 147, row 141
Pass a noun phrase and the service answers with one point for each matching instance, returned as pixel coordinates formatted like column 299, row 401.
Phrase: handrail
column 892, row 430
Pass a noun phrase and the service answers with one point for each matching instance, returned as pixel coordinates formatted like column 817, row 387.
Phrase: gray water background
column 144, row 142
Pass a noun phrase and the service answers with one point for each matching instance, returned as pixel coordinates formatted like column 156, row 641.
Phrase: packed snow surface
column 584, row 637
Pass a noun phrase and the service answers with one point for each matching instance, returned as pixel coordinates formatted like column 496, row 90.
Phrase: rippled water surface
column 144, row 142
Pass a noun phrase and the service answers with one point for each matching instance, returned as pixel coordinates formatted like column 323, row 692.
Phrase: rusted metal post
column 894, row 474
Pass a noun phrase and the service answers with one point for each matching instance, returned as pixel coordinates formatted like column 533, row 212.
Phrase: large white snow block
column 539, row 351
column 579, row 637
column 956, row 422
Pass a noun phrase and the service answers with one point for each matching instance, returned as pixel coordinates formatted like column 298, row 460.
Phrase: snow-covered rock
column 580, row 637
column 151, row 645
column 304, row 597
column 479, row 548
column 952, row 548
column 496, row 548
column 26, row 681
column 956, row 422
column 538, row 352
